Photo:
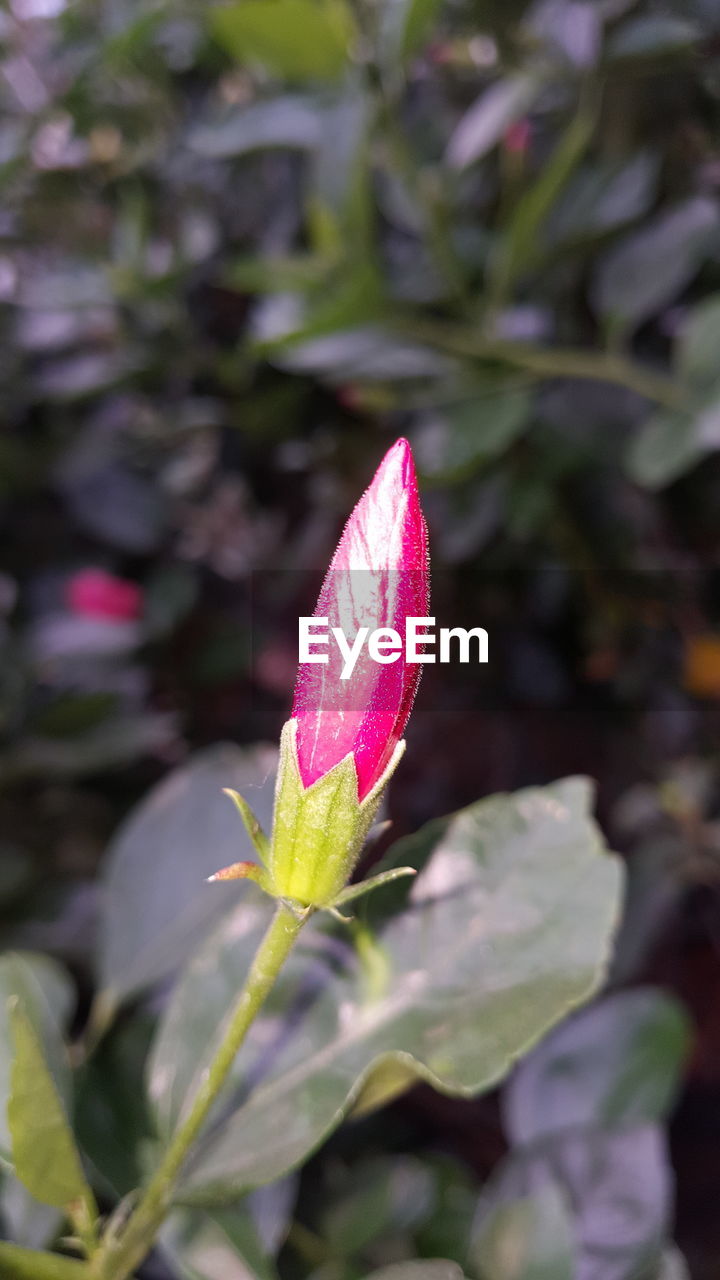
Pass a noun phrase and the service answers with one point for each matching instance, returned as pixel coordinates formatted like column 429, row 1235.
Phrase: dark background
column 229, row 279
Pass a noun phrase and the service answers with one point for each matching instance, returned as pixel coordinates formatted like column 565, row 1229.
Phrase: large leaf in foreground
column 156, row 904
column 506, row 928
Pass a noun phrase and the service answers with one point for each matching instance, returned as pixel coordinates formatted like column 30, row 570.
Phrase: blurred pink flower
column 94, row 593
column 517, row 136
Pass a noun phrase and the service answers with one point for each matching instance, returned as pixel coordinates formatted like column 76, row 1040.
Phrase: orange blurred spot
column 701, row 675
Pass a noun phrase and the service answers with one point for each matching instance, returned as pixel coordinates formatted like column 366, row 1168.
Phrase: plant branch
column 549, row 362
column 121, row 1254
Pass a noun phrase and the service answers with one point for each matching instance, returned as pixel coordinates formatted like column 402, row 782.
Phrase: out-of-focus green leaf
column 471, row 434
column 45, row 1157
column 25, row 1264
column 357, row 300
column 528, row 1239
column 156, row 904
column 651, row 36
column 506, row 927
column 623, row 1178
column 484, row 124
column 45, row 992
column 232, row 1244
column 366, row 354
column 291, row 121
column 297, row 39
column 614, row 1065
column 406, row 24
column 446, row 1229
column 371, row 1199
column 643, row 272
column 111, row 1119
column 428, row 1269
column 218, row 1246
column 670, row 443
column 603, row 197
column 699, row 344
column 418, row 17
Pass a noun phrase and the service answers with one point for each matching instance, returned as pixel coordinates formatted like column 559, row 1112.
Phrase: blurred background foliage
column 242, row 248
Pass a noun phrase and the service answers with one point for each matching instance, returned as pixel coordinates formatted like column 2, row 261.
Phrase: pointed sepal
column 260, row 841
column 359, row 890
column 242, row 871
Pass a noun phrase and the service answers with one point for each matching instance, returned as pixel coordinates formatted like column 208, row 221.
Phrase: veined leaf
column 45, row 992
column 45, row 1157
column 506, row 927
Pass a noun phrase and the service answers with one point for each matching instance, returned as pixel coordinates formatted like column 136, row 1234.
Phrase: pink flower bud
column 378, row 577
column 93, row 593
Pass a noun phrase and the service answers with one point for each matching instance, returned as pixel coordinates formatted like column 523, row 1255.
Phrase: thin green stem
column 120, row 1255
column 549, row 362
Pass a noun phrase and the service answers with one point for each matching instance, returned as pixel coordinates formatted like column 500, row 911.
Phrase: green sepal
column 319, row 831
column 359, row 890
column 260, row 841
column 244, row 871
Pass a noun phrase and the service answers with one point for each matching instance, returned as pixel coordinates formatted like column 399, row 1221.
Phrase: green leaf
column 418, row 18
column 428, row 1269
column 232, row 1244
column 504, row 930
column 44, row 1154
column 699, row 343
column 156, row 903
column 369, row 353
column 375, row 1200
column 652, row 36
column 528, row 1239
column 26, row 1264
column 473, row 433
column 648, row 268
column 290, row 121
column 672, row 442
column 485, row 123
column 621, row 1177
column 406, row 25
column 612, row 1066
column 218, row 1246
column 111, row 1120
column 46, row 994
column 297, row 39
column 602, row 197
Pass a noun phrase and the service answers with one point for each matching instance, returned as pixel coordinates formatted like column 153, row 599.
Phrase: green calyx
column 318, row 832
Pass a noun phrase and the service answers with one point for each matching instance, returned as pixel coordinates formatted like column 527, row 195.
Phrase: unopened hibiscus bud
column 344, row 739
column 345, row 736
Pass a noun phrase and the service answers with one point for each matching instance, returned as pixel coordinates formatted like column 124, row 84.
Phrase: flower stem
column 120, row 1255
